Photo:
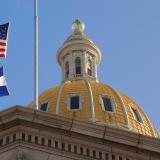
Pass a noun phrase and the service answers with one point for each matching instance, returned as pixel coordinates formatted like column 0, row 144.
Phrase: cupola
column 78, row 56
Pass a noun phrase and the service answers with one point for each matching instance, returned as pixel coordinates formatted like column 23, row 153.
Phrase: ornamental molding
column 21, row 116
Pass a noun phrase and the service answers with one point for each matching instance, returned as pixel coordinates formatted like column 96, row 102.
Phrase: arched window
column 137, row 115
column 67, row 69
column 107, row 103
column 78, row 65
column 89, row 68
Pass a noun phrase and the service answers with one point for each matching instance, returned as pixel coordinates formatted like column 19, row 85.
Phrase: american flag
column 3, row 39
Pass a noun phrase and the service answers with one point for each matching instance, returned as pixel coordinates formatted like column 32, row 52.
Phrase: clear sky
column 126, row 31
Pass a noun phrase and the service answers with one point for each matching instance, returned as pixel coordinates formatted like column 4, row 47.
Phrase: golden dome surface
column 81, row 96
column 122, row 117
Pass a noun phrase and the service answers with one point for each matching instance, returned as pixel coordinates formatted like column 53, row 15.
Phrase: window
column 36, row 139
column 23, row 136
column 78, row 65
column 56, row 144
column 42, row 141
column 137, row 115
column 74, row 102
column 67, row 69
column 1, row 142
column 44, row 106
column 106, row 156
column 69, row 147
column 63, row 146
column 89, row 68
column 75, row 149
column 29, row 138
column 14, row 137
column 94, row 154
column 7, row 140
column 100, row 155
column 113, row 157
column 88, row 152
column 107, row 103
column 89, row 72
column 49, row 142
column 81, row 150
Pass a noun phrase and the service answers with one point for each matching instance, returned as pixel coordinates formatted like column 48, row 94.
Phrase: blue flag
column 3, row 85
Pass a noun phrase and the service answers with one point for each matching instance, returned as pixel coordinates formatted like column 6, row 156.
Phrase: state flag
column 3, row 84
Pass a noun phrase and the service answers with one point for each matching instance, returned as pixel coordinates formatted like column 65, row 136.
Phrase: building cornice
column 33, row 118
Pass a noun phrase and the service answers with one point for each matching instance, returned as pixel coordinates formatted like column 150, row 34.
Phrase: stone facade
column 28, row 134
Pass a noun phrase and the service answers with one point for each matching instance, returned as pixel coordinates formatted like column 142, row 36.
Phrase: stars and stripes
column 3, row 39
column 3, row 85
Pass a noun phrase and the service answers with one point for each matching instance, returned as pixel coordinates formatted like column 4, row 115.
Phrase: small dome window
column 67, row 69
column 89, row 68
column 136, row 114
column 107, row 103
column 78, row 65
column 44, row 106
column 74, row 102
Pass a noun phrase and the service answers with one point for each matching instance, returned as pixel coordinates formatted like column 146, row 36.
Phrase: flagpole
column 36, row 55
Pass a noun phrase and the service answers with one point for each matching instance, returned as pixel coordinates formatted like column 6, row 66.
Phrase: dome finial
column 78, row 26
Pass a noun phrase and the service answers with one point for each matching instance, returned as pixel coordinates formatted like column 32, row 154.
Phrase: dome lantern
column 78, row 56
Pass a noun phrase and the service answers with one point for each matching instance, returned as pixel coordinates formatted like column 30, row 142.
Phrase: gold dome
column 81, row 96
column 122, row 116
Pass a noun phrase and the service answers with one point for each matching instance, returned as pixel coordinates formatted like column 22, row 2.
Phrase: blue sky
column 127, row 32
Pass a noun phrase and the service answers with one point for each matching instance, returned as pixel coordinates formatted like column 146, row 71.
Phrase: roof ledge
column 85, row 128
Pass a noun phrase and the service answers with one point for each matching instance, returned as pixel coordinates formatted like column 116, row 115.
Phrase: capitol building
column 82, row 118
